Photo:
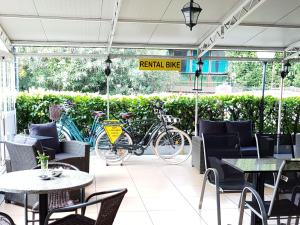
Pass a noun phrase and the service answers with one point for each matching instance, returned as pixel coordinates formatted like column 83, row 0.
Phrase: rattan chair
column 110, row 204
column 283, row 205
column 219, row 174
column 6, row 219
column 56, row 199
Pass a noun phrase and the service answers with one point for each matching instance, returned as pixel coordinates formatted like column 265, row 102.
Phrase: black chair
column 283, row 205
column 267, row 145
column 57, row 199
column 110, row 204
column 6, row 219
column 224, row 177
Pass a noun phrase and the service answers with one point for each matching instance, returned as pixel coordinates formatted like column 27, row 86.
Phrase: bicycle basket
column 169, row 119
column 55, row 112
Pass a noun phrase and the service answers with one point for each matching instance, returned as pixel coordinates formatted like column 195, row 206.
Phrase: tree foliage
column 87, row 75
column 249, row 74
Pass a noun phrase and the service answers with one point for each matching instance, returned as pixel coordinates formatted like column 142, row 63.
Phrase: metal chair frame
column 263, row 215
column 218, row 189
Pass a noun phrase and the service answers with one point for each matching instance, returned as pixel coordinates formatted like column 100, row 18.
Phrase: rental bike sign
column 160, row 64
column 113, row 129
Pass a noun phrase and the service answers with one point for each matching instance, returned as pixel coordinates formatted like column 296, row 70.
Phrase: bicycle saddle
column 98, row 114
column 126, row 115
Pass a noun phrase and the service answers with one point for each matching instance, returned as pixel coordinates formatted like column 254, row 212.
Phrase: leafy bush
column 35, row 109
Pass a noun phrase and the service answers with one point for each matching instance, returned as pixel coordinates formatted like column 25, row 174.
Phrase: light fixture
column 107, row 69
column 200, row 65
column 285, row 70
column 265, row 55
column 191, row 11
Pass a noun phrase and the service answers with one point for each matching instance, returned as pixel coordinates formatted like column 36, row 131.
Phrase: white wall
column 7, row 100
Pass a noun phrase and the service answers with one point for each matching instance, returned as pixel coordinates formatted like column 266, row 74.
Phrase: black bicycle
column 119, row 139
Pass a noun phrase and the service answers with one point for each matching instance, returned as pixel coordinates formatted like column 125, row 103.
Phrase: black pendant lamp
column 107, row 69
column 191, row 11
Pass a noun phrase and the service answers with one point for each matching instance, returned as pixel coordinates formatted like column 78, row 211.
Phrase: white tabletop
column 29, row 181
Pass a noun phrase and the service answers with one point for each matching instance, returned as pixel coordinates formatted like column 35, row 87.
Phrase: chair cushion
column 74, row 219
column 244, row 130
column 63, row 155
column 249, row 151
column 46, row 129
column 212, row 127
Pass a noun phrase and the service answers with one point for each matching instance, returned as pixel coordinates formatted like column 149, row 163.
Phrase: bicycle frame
column 67, row 123
column 141, row 145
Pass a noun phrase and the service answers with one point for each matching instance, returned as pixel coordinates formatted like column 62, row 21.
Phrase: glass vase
column 44, row 167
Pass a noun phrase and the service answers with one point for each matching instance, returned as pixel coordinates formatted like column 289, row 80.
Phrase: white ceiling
column 143, row 22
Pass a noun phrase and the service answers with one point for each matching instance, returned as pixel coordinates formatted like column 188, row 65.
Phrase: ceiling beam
column 293, row 46
column 120, row 20
column 292, row 55
column 137, row 46
column 100, row 45
column 235, row 18
column 126, row 56
column 114, row 25
column 292, row 51
column 5, row 41
column 247, row 48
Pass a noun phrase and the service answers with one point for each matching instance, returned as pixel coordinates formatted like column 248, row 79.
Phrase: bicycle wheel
column 173, row 146
column 63, row 135
column 154, row 139
column 104, row 149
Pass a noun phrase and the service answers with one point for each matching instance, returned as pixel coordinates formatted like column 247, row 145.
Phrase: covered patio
column 157, row 193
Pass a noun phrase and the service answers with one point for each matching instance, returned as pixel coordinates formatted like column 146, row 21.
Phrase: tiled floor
column 159, row 194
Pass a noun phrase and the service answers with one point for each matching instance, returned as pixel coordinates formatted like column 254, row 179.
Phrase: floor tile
column 176, row 218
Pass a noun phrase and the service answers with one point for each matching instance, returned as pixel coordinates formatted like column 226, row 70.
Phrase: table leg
column 43, row 207
column 258, row 183
column 26, row 208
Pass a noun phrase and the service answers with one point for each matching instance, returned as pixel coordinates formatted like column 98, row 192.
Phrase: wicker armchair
column 109, row 207
column 5, row 219
column 57, row 199
column 23, row 157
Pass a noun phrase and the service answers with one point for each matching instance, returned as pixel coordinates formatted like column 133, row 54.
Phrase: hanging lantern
column 285, row 70
column 286, row 67
column 191, row 11
column 200, row 65
column 107, row 69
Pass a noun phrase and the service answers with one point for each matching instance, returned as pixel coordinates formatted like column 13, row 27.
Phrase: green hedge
column 34, row 109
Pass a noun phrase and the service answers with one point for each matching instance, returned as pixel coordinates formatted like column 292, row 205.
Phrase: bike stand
column 113, row 164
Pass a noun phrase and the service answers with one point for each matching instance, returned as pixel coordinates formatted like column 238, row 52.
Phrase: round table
column 28, row 181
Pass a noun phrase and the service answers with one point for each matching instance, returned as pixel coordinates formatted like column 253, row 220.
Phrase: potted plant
column 43, row 161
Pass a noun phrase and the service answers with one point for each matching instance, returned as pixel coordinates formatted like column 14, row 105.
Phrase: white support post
column 234, row 19
column 114, row 24
column 107, row 96
column 279, row 115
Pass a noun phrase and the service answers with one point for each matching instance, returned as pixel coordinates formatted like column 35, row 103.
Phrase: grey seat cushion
column 46, row 129
column 249, row 151
column 62, row 156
